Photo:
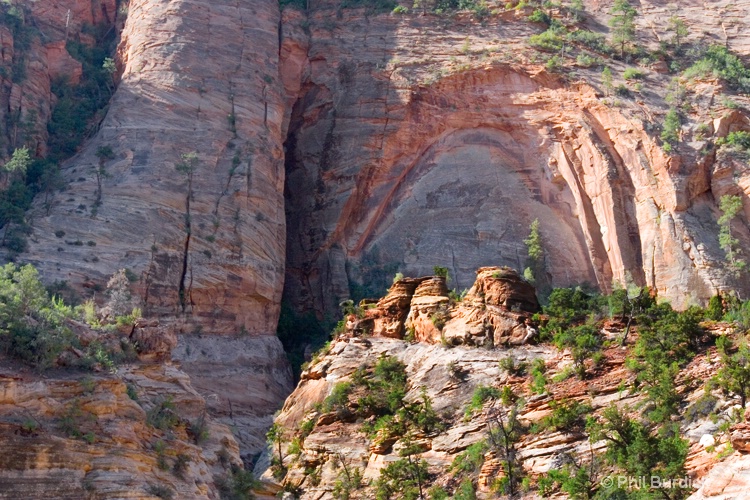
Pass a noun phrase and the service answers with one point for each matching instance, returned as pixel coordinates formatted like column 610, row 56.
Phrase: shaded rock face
column 445, row 158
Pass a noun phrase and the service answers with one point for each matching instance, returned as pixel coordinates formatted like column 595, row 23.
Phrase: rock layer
column 116, row 453
column 446, row 156
column 204, row 236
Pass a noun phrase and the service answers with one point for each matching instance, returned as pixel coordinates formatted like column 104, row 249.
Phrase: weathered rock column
column 204, row 235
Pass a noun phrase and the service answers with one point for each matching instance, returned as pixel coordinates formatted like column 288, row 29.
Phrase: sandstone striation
column 203, row 235
column 319, row 440
column 445, row 156
column 66, row 434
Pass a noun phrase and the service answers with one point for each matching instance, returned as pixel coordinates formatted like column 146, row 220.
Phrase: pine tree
column 622, row 24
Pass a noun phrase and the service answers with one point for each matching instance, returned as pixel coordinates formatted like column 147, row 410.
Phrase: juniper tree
column 730, row 207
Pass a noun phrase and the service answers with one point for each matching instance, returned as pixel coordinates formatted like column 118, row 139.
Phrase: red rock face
column 445, row 155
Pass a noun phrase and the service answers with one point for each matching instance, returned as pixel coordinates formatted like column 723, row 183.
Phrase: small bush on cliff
column 640, row 451
column 338, row 400
column 237, row 485
column 568, row 306
column 670, row 134
column 163, row 416
column 667, row 340
column 719, row 62
column 584, row 343
column 739, row 140
column 731, row 207
column 734, row 376
column 385, row 389
column 508, row 364
column 481, row 395
column 567, row 415
column 349, row 480
column 32, row 325
column 470, row 460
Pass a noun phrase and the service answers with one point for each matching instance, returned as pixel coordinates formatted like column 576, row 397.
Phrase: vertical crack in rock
column 186, row 248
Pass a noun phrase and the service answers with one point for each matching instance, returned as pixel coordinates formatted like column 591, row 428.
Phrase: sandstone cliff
column 327, row 436
column 437, row 141
column 204, row 234
column 137, row 431
column 400, row 141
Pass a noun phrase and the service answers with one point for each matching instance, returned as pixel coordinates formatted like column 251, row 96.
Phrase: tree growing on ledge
column 535, row 265
column 730, row 207
column 622, row 24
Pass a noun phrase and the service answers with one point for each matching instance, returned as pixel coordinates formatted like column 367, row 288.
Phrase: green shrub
column 567, row 415
column 549, row 41
column 538, row 378
column 237, row 485
column 349, row 480
column 163, row 416
column 539, row 16
column 583, row 342
column 403, row 478
column 440, row 271
column 338, row 400
column 508, row 364
column 465, row 490
column 554, row 64
column 586, row 61
column 591, row 40
column 670, row 133
column 633, row 74
column 739, row 140
column 667, row 340
column 718, row 62
column 734, row 375
column 638, row 451
column 715, row 309
column 470, row 460
column 32, row 325
column 481, row 394
column 386, row 389
column 437, row 493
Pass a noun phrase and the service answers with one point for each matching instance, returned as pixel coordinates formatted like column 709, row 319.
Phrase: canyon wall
column 190, row 199
column 247, row 150
column 420, row 140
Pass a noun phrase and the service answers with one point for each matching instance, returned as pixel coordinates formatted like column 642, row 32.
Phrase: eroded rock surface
column 323, row 440
column 203, row 236
column 445, row 155
column 70, row 436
